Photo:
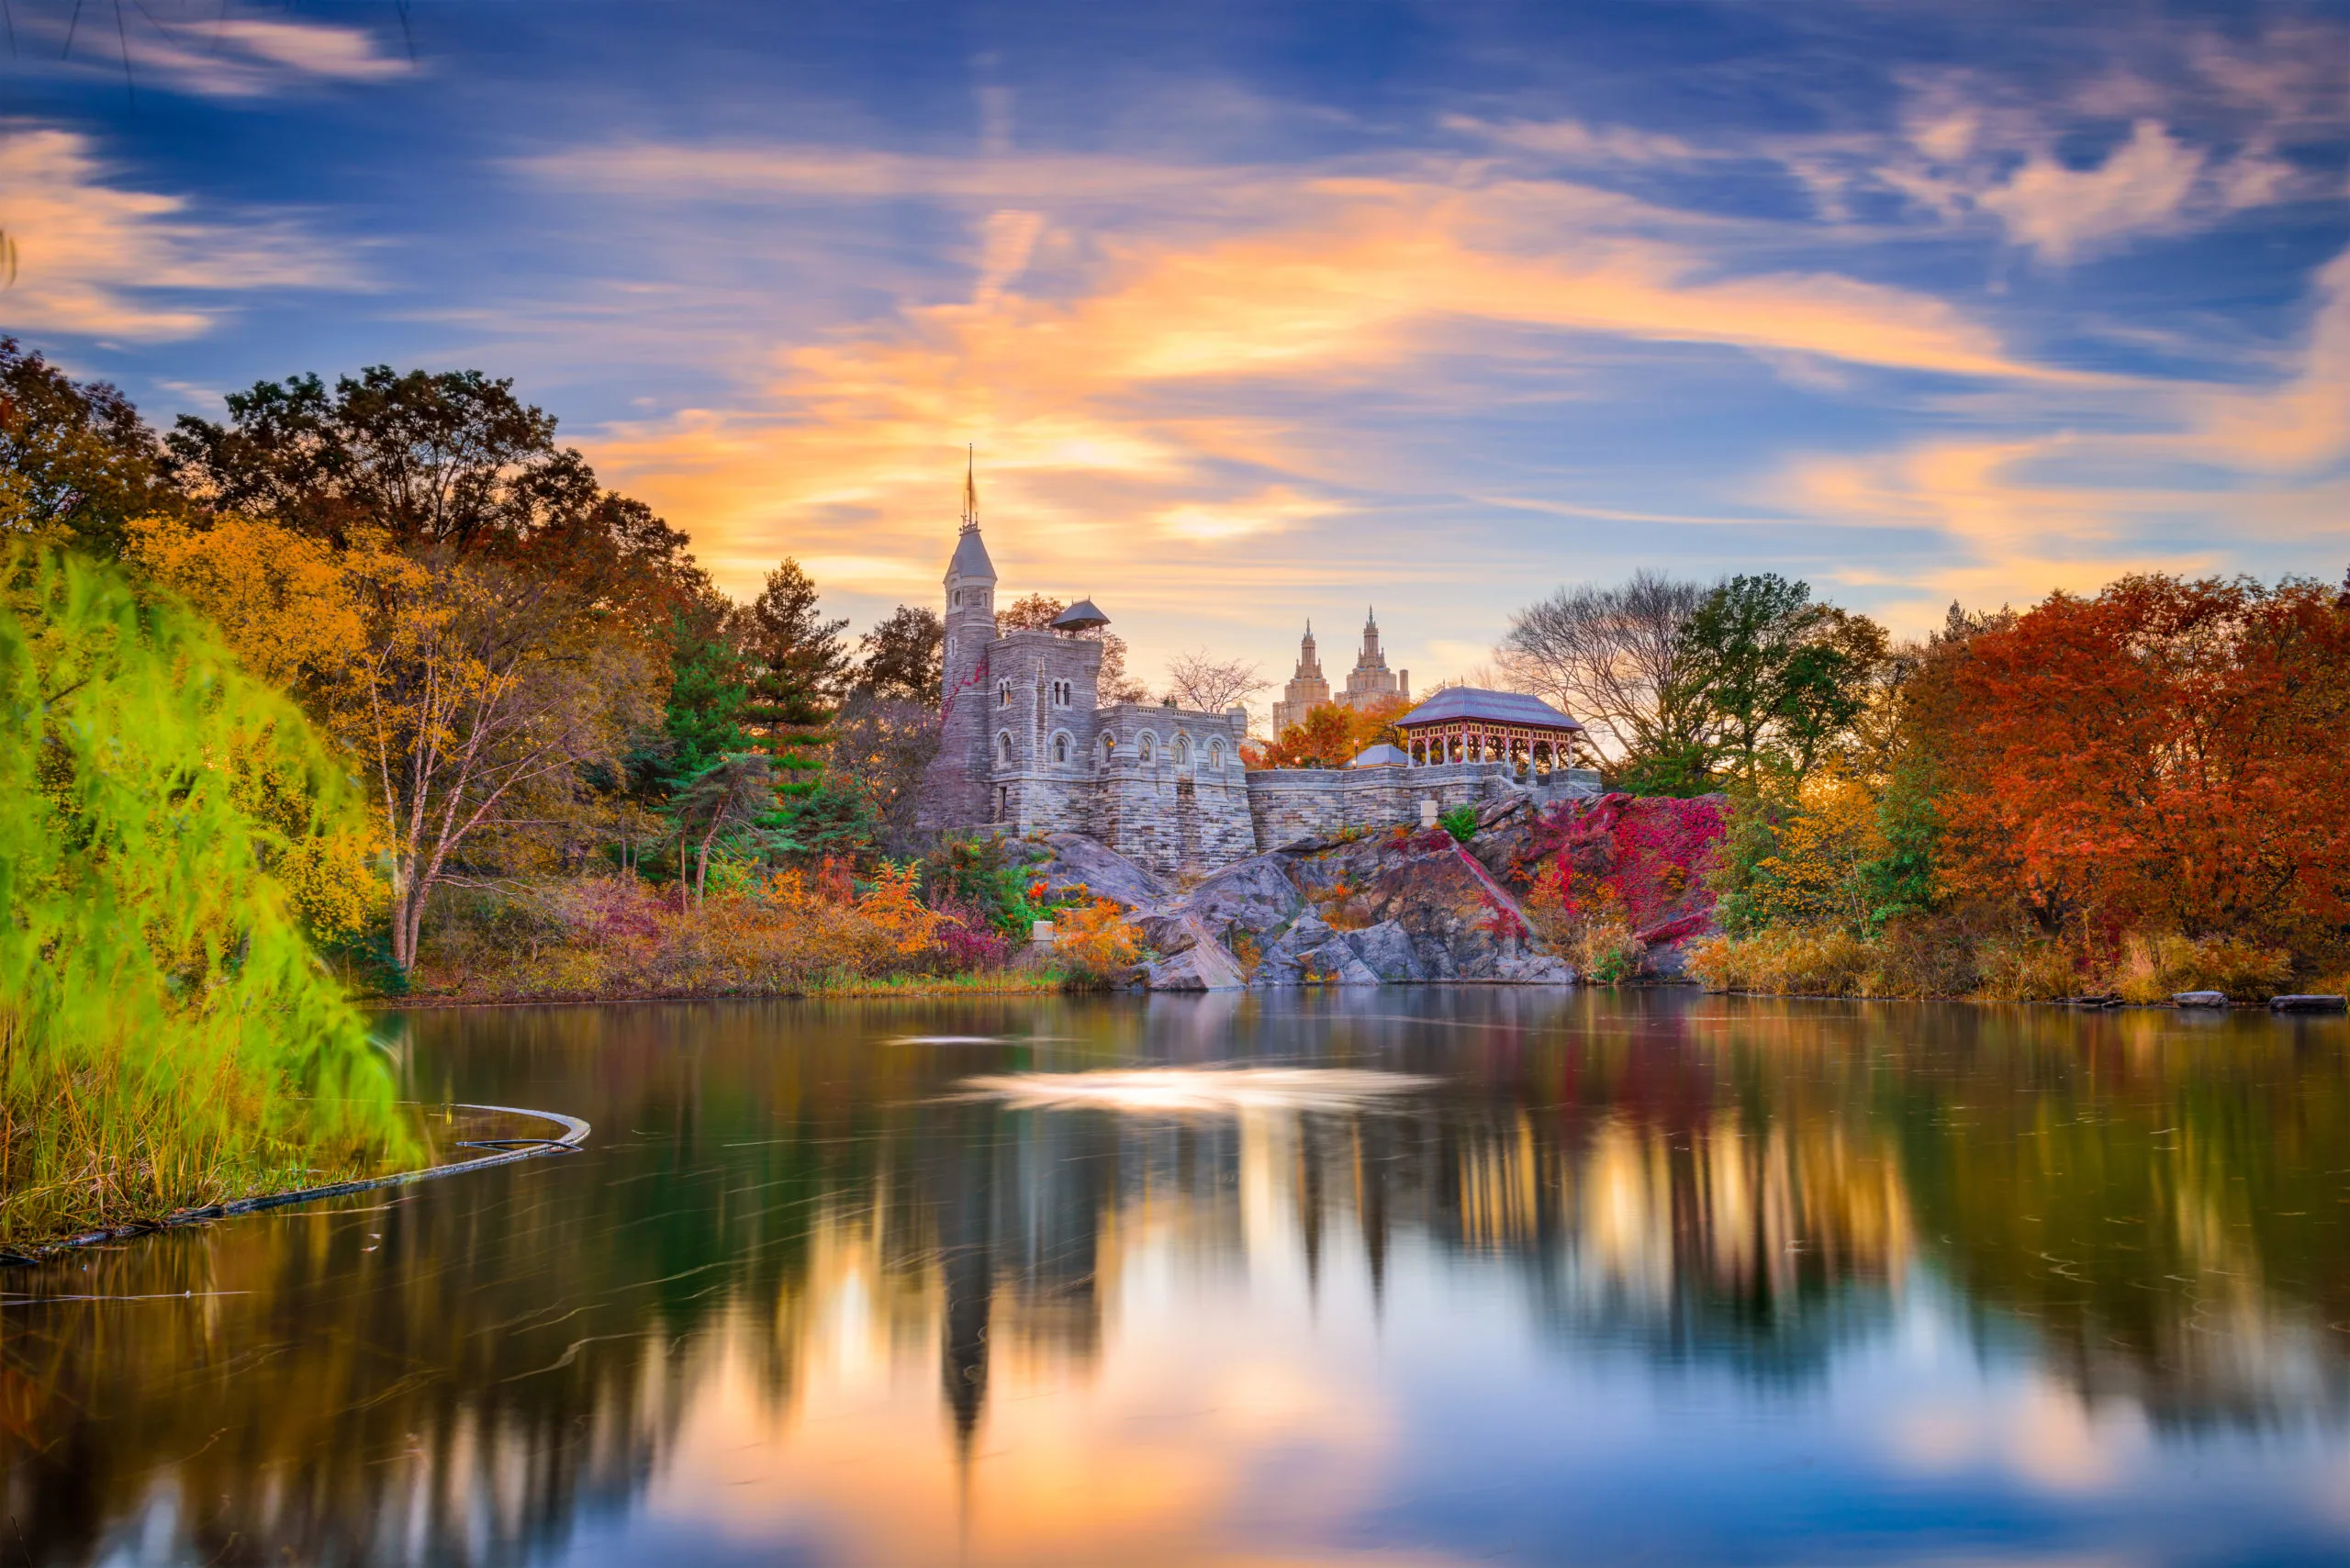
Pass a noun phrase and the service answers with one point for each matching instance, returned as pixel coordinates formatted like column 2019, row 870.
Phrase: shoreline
column 574, row 1135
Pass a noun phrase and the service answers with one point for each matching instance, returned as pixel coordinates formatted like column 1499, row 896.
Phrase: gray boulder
column 1386, row 950
column 1075, row 860
column 2199, row 999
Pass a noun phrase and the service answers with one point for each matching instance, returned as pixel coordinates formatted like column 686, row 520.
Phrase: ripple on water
column 1211, row 1090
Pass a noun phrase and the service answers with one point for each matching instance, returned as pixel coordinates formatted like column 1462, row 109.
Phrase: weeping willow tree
column 167, row 1038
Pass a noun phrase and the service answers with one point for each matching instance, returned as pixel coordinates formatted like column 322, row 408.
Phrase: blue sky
column 1255, row 311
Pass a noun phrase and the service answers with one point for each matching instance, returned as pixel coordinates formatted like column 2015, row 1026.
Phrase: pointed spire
column 970, row 488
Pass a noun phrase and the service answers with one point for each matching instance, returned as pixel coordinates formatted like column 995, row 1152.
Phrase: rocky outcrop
column 1075, row 861
column 1402, row 907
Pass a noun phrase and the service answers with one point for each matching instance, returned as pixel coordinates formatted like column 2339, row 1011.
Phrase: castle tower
column 955, row 788
column 1306, row 689
column 1371, row 680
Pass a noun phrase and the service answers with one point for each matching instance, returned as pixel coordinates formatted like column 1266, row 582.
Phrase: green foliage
column 1678, row 774
column 1779, row 679
column 76, row 461
column 729, row 795
column 799, row 663
column 166, row 1036
column 817, row 815
column 991, row 874
column 902, row 656
column 707, row 696
column 1460, row 823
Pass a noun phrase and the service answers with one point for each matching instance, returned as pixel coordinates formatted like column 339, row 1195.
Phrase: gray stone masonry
column 1026, row 747
column 1172, row 793
column 1290, row 803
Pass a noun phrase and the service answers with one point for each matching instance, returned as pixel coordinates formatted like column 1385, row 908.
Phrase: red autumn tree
column 2168, row 754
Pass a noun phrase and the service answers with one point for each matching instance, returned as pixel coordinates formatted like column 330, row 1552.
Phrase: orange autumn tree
column 1331, row 735
column 2166, row 756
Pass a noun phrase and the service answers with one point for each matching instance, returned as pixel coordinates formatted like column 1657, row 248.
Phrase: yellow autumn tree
column 466, row 695
column 1806, row 863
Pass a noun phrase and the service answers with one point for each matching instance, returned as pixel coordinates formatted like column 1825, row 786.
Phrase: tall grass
column 1920, row 958
column 166, row 1037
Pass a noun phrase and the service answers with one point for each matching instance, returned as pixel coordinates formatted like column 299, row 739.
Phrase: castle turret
column 970, row 597
column 955, row 788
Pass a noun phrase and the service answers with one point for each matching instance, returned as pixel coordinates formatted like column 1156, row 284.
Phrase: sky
column 1256, row 312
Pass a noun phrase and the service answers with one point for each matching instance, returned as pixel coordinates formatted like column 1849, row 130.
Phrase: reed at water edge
column 167, row 1037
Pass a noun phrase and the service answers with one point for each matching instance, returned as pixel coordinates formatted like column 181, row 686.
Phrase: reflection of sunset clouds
column 1141, row 1451
column 2043, row 1433
column 1617, row 1249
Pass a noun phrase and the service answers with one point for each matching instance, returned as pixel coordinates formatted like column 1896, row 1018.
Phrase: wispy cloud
column 1144, row 411
column 216, row 56
column 99, row 259
column 2069, row 508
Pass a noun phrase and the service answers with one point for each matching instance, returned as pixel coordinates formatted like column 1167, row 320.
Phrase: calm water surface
column 1467, row 1276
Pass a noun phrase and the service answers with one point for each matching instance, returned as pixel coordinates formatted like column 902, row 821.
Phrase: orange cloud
column 1133, row 424
column 87, row 252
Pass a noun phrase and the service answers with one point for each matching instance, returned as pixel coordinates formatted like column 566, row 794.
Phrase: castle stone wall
column 1172, row 793
column 1025, row 747
column 1288, row 804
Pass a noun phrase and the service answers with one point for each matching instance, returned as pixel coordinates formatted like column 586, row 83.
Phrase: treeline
column 531, row 672
column 459, row 718
column 2131, row 794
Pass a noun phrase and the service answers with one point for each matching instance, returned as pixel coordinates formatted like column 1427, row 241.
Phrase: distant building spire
column 971, row 488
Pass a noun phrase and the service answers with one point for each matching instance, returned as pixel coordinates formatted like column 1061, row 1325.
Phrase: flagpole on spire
column 971, row 488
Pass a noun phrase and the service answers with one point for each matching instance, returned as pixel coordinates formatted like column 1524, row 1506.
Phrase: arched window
column 1003, row 694
column 956, row 598
column 1060, row 748
column 1182, row 751
column 1148, row 744
column 1216, row 754
column 1109, row 749
column 1003, row 747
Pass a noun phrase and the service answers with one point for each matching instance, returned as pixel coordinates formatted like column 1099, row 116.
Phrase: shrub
column 1787, row 963
column 2154, row 968
column 1095, row 945
column 1919, row 956
column 1604, row 952
column 1460, row 823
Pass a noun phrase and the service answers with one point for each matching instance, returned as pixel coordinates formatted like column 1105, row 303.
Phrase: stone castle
column 1368, row 682
column 1027, row 747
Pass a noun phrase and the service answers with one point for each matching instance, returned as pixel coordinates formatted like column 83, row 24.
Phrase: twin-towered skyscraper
column 1369, row 679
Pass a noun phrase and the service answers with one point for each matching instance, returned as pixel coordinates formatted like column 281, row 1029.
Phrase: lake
column 1399, row 1277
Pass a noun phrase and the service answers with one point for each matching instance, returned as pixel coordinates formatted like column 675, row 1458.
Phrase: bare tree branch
column 1611, row 657
column 1208, row 685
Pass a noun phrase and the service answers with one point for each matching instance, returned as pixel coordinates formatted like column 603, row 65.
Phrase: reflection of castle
column 948, row 1264
column 1701, row 1236
column 1368, row 682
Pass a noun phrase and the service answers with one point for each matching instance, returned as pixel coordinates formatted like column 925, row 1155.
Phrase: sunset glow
column 1249, row 321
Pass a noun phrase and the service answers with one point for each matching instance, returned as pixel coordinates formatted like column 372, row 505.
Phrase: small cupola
column 1082, row 616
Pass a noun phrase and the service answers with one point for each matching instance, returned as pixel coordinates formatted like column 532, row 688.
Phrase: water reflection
column 1479, row 1274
